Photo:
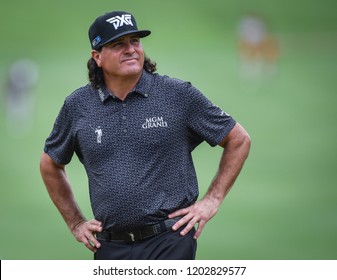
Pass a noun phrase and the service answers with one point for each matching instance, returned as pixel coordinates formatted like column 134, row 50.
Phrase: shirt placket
column 124, row 119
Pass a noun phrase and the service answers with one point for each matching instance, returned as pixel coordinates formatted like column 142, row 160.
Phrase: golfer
column 134, row 132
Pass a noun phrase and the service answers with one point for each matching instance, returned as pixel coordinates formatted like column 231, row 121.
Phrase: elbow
column 246, row 143
column 246, row 140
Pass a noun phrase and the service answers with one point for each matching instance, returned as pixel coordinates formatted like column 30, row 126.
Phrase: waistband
column 137, row 234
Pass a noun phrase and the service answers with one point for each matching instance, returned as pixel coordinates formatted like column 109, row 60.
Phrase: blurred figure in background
column 258, row 49
column 19, row 96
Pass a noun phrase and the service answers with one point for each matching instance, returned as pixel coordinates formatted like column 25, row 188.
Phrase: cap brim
column 140, row 33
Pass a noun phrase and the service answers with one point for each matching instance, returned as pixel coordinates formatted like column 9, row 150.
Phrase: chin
column 133, row 70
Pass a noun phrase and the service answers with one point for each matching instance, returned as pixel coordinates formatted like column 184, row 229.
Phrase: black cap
column 111, row 26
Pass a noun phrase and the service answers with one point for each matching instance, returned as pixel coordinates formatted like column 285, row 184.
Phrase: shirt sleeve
column 60, row 144
column 209, row 122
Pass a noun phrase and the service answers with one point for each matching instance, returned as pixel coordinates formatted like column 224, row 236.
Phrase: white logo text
column 154, row 122
column 118, row 21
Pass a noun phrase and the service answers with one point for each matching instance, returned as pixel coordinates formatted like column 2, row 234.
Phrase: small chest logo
column 99, row 133
column 154, row 122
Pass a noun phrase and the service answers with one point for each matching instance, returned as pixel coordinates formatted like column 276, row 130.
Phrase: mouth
column 130, row 59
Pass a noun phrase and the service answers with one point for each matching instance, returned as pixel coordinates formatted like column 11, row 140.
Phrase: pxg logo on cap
column 118, row 21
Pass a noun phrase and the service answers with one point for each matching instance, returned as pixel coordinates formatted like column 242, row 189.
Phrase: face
column 123, row 57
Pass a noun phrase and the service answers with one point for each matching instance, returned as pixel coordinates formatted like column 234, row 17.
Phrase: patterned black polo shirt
column 137, row 152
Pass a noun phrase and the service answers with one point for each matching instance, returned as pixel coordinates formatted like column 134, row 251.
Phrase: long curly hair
column 95, row 73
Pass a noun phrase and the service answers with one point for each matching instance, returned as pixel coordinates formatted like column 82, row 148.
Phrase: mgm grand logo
column 154, row 122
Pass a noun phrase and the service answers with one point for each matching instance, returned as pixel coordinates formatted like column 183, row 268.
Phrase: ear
column 97, row 57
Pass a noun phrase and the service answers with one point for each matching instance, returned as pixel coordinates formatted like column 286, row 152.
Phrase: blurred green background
column 284, row 204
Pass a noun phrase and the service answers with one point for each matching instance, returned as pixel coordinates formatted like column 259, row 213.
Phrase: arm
column 59, row 189
column 236, row 148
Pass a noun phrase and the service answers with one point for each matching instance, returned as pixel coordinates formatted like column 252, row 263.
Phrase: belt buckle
column 130, row 233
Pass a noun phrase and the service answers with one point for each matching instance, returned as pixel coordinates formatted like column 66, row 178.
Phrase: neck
column 121, row 86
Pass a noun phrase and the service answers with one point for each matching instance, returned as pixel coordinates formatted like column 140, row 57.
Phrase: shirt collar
column 104, row 94
column 143, row 87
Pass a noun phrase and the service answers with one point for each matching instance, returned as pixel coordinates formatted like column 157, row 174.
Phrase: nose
column 129, row 47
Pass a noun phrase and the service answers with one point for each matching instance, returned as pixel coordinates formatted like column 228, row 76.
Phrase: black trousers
column 169, row 245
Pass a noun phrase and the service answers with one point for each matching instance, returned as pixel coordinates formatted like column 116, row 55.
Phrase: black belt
column 137, row 234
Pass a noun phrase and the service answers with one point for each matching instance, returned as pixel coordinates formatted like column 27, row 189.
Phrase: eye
column 114, row 45
column 117, row 44
column 135, row 41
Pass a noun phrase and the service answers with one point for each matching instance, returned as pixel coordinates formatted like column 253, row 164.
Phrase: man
column 134, row 132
